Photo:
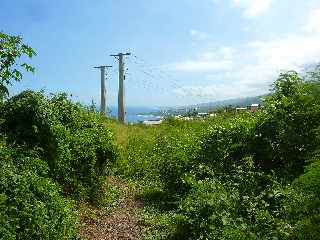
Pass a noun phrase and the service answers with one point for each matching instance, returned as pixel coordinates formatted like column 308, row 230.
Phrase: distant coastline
column 137, row 114
column 140, row 114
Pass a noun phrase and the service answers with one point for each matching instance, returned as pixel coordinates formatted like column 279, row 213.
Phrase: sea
column 138, row 114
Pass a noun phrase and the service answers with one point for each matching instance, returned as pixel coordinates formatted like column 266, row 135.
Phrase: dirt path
column 122, row 223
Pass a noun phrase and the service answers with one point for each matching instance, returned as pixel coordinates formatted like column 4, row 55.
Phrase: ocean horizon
column 137, row 114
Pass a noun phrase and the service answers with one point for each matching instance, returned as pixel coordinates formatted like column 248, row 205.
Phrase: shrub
column 303, row 203
column 238, row 176
column 226, row 143
column 31, row 206
column 207, row 211
column 74, row 142
column 285, row 137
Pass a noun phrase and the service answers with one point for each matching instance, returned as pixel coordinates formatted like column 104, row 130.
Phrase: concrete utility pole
column 121, row 109
column 103, row 89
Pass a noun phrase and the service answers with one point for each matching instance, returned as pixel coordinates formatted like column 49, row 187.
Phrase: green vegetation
column 54, row 153
column 235, row 176
column 51, row 148
column 11, row 50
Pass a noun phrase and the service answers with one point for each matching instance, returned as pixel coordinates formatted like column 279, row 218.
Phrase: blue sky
column 183, row 51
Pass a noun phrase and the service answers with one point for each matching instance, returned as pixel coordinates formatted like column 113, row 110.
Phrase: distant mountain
column 237, row 102
column 211, row 106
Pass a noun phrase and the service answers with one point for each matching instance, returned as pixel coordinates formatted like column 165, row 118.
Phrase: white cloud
column 246, row 29
column 253, row 8
column 200, row 66
column 292, row 52
column 313, row 24
column 217, row 91
column 244, row 81
column 269, row 58
column 256, row 66
column 226, row 53
column 250, row 69
column 220, row 59
column 199, row 35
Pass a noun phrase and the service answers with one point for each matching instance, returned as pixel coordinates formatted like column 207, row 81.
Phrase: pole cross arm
column 106, row 66
column 120, row 54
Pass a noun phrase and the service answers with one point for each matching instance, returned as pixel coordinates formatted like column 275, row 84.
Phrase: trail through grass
column 121, row 222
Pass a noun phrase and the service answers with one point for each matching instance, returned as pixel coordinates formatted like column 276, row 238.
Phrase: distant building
column 203, row 114
column 254, row 107
column 187, row 118
column 240, row 109
column 153, row 122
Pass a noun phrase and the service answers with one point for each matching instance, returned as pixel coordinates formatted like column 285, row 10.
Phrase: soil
column 123, row 222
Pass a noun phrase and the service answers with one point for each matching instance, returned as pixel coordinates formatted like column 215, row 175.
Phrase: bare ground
column 123, row 222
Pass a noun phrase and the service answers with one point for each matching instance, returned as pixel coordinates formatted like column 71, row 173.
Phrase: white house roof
column 152, row 122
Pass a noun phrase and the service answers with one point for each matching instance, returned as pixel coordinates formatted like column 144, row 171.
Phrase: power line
column 162, row 75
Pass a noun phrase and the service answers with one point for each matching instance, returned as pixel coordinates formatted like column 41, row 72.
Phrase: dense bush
column 303, row 199
column 225, row 144
column 207, row 211
column 73, row 141
column 286, row 136
column 237, row 176
column 49, row 148
column 31, row 205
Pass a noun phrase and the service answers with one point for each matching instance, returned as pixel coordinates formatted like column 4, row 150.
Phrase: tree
column 11, row 50
column 287, row 84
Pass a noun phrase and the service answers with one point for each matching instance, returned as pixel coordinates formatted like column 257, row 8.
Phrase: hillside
column 212, row 106
column 69, row 172
column 237, row 102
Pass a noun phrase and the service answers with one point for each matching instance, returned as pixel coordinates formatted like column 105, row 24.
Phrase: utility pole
column 121, row 109
column 103, row 89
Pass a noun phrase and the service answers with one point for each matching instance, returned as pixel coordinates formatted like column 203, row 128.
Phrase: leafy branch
column 11, row 50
